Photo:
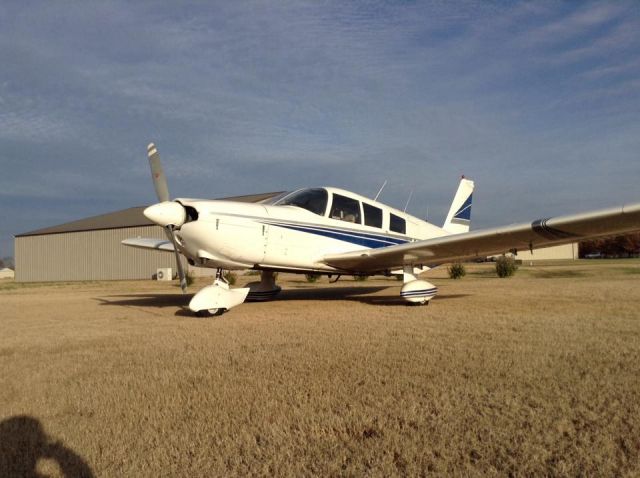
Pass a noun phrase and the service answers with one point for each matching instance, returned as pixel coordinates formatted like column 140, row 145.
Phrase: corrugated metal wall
column 566, row 251
column 90, row 255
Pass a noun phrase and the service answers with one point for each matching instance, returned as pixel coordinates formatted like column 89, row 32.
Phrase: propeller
column 167, row 214
column 159, row 179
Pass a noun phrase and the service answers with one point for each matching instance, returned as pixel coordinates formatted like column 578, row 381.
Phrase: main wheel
column 211, row 312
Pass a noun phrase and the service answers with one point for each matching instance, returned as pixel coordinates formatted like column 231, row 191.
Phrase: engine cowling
column 418, row 291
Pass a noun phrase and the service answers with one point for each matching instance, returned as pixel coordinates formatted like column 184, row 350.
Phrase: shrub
column 506, row 266
column 230, row 277
column 312, row 277
column 189, row 278
column 360, row 278
column 456, row 270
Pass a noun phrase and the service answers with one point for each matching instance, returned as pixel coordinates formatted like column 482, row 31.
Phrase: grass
column 532, row 375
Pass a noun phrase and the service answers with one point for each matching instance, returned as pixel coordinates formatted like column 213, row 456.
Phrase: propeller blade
column 157, row 173
column 181, row 275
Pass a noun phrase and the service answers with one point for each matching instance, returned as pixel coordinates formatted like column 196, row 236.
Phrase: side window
column 345, row 209
column 397, row 224
column 372, row 215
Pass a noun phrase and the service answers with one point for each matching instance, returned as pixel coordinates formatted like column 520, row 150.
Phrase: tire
column 210, row 312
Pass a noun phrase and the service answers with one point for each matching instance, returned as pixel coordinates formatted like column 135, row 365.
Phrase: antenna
column 408, row 199
column 380, row 190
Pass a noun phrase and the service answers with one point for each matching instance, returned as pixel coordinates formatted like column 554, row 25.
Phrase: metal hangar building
column 91, row 249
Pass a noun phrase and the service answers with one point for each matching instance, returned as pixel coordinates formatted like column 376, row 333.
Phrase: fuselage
column 294, row 231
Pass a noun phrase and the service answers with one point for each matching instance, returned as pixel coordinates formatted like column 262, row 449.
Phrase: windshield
column 314, row 200
column 274, row 200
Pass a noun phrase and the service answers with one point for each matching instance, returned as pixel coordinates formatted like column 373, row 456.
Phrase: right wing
column 146, row 243
column 482, row 243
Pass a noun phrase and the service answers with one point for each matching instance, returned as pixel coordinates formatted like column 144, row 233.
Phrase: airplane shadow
column 396, row 300
column 365, row 295
column 146, row 300
column 327, row 293
column 23, row 443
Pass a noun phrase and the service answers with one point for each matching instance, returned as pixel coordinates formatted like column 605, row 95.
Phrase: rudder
column 459, row 217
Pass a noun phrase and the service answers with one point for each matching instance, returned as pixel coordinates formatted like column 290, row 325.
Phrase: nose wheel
column 217, row 298
column 211, row 312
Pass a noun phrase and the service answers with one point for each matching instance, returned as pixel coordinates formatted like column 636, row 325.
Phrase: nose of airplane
column 166, row 213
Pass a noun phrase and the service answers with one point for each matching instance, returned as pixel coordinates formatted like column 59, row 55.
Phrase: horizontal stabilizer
column 148, row 243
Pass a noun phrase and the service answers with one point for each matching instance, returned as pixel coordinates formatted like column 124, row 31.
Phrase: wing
column 145, row 243
column 534, row 235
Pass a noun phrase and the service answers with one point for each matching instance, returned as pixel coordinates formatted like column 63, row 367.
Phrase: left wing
column 537, row 234
column 144, row 243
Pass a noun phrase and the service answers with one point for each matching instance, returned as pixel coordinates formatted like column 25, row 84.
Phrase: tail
column 459, row 217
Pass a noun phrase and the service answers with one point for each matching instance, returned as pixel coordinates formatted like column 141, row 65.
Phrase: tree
column 618, row 246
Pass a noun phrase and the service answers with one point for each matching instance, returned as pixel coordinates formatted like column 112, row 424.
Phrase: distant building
column 91, row 249
column 555, row 253
column 6, row 273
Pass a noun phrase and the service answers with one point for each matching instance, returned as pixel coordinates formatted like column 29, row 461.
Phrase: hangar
column 91, row 249
column 563, row 252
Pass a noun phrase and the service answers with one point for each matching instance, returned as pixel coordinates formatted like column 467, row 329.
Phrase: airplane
column 332, row 231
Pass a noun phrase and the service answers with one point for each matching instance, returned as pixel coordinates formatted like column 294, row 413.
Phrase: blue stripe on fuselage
column 354, row 237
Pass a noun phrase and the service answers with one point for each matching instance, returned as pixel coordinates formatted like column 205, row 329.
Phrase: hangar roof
column 131, row 217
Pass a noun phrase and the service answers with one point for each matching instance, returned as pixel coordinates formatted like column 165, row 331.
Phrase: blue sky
column 538, row 102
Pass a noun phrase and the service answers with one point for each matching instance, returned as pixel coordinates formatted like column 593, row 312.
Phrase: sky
column 538, row 102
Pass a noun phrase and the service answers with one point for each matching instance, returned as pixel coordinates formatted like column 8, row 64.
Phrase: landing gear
column 415, row 291
column 217, row 298
column 266, row 289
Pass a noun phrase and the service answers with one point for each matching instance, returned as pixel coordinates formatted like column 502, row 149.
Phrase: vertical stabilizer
column 459, row 217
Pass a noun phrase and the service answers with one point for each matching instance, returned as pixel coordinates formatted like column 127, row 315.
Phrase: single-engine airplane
column 332, row 231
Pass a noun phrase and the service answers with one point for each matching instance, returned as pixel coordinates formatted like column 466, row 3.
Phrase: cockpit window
column 345, row 209
column 314, row 200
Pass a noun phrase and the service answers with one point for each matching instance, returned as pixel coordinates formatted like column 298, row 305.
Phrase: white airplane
column 332, row 231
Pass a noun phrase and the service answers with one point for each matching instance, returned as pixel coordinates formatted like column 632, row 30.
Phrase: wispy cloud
column 529, row 98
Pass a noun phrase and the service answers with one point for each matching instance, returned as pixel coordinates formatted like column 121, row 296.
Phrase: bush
column 506, row 266
column 230, row 277
column 312, row 277
column 189, row 278
column 456, row 270
column 360, row 278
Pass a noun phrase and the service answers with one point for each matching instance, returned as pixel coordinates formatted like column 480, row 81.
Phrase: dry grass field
column 534, row 375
